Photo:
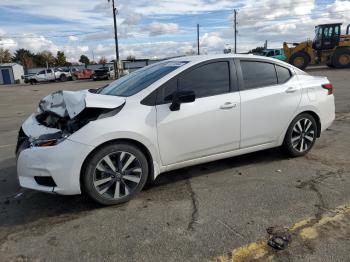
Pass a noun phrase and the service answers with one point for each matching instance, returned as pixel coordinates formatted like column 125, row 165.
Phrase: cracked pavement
column 193, row 214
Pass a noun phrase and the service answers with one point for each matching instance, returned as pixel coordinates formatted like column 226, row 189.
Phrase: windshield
column 140, row 79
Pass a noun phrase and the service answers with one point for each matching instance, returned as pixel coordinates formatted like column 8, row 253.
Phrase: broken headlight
column 48, row 140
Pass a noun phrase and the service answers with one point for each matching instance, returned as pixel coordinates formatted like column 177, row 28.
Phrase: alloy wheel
column 117, row 175
column 303, row 135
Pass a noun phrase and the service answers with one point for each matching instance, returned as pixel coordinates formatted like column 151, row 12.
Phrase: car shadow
column 27, row 206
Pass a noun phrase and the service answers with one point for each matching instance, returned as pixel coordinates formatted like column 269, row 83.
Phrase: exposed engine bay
column 62, row 113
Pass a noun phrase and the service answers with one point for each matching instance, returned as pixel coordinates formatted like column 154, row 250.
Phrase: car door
column 41, row 76
column 50, row 75
column 270, row 95
column 209, row 125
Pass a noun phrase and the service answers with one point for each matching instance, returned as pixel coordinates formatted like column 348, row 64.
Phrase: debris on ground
column 279, row 237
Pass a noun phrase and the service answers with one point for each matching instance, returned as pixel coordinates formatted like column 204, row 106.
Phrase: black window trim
column 152, row 98
column 240, row 73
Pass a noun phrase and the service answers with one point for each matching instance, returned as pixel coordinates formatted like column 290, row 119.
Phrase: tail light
column 329, row 87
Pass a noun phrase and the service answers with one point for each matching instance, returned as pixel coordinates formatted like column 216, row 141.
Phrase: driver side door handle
column 228, row 105
column 291, row 90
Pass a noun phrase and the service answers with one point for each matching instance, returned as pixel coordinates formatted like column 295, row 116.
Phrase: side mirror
column 181, row 97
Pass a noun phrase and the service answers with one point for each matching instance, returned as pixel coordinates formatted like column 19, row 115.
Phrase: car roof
column 203, row 58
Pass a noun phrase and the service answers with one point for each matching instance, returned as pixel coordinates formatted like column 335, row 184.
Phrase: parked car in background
column 274, row 53
column 83, row 74
column 48, row 75
column 70, row 72
column 104, row 73
column 166, row 116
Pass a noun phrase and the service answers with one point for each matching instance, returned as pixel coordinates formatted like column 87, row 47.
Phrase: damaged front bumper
column 52, row 169
column 47, row 160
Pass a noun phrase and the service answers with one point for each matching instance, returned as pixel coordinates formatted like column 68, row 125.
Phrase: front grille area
column 45, row 181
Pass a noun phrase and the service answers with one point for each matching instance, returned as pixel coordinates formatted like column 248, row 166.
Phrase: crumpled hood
column 71, row 103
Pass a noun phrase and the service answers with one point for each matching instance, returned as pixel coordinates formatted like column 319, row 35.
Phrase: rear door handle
column 291, row 90
column 228, row 105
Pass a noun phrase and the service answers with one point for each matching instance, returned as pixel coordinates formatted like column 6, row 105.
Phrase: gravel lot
column 215, row 211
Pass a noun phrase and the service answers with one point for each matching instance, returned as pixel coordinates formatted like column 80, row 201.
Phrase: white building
column 11, row 73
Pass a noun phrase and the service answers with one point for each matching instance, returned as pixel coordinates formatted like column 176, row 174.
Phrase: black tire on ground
column 300, row 60
column 88, row 175
column 341, row 58
column 32, row 82
column 74, row 78
column 63, row 78
column 292, row 143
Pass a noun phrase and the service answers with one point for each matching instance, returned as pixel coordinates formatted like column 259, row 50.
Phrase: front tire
column 115, row 173
column 300, row 60
column 301, row 135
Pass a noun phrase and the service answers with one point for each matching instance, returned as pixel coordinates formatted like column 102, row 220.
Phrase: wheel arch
column 138, row 144
column 316, row 117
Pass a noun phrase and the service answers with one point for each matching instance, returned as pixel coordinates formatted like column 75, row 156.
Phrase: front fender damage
column 64, row 112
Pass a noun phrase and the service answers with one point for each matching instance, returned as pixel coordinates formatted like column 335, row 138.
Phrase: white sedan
column 107, row 143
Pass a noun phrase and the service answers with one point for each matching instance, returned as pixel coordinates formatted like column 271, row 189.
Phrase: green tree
column 257, row 49
column 5, row 56
column 85, row 60
column 61, row 59
column 103, row 60
column 24, row 57
column 131, row 58
column 44, row 58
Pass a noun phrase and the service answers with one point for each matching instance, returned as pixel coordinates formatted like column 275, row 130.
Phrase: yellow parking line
column 304, row 230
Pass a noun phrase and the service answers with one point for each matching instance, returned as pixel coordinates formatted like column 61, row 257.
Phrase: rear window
column 258, row 74
column 283, row 74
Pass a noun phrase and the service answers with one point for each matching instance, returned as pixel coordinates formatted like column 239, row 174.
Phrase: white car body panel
column 179, row 130
column 261, row 122
column 199, row 132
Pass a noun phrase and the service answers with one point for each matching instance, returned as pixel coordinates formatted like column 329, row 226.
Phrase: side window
column 207, row 80
column 166, row 90
column 49, row 71
column 283, row 74
column 258, row 74
column 41, row 72
column 277, row 52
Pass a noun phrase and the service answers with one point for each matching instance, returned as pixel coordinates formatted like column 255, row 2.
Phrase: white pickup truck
column 48, row 75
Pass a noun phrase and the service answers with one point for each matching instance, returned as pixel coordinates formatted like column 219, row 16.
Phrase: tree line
column 41, row 59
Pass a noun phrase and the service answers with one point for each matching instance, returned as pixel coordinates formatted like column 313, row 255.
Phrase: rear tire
column 63, row 78
column 301, row 135
column 114, row 174
column 300, row 60
column 341, row 58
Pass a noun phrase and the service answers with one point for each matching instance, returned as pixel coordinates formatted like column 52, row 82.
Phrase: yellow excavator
column 329, row 47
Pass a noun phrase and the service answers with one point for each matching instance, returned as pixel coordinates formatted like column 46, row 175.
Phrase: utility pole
column 93, row 56
column 116, row 63
column 198, row 49
column 235, row 26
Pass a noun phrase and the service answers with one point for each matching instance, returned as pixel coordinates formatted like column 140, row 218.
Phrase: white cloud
column 156, row 28
column 73, row 38
column 212, row 41
column 131, row 18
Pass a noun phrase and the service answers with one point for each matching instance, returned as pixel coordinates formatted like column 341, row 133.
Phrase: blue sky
column 160, row 28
